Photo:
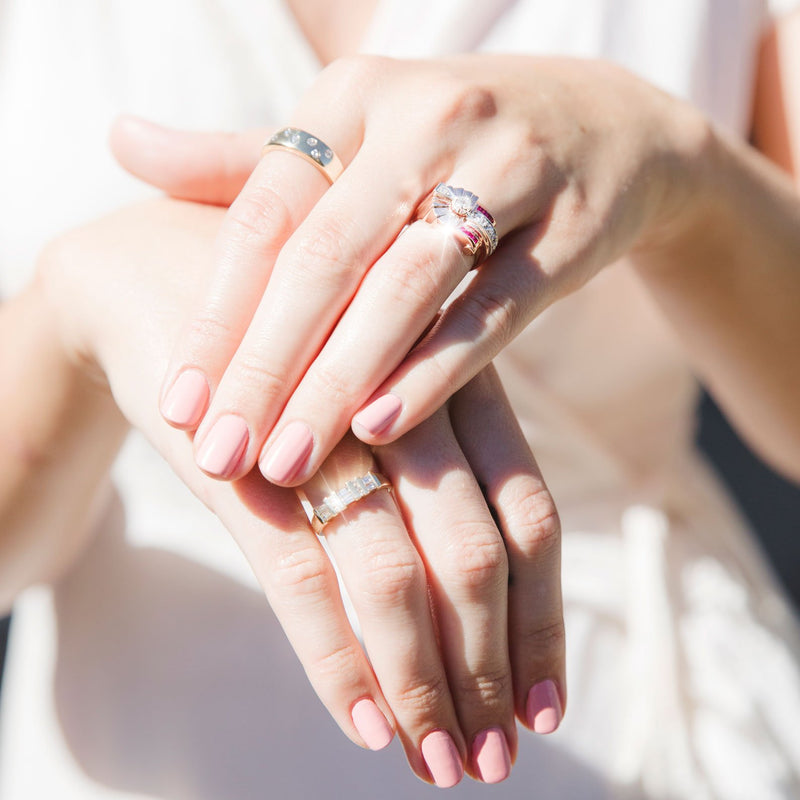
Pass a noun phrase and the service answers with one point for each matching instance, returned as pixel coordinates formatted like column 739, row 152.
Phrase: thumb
column 204, row 167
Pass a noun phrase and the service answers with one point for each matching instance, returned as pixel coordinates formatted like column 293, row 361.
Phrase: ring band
column 336, row 502
column 459, row 210
column 308, row 147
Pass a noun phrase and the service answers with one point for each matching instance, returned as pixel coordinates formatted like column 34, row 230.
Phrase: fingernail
column 543, row 708
column 224, row 446
column 186, row 400
column 491, row 755
column 288, row 453
column 441, row 756
column 371, row 724
column 379, row 414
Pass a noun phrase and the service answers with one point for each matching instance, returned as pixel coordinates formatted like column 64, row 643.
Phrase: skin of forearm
column 59, row 433
column 730, row 285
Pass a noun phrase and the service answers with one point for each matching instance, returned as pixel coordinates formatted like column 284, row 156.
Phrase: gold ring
column 336, row 502
column 308, row 147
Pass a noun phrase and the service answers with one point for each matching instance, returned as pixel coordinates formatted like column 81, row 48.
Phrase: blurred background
column 771, row 504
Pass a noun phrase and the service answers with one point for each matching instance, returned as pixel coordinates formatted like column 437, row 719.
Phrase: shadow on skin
column 175, row 681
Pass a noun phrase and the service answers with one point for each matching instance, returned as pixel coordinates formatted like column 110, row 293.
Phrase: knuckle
column 61, row 258
column 466, row 102
column 207, row 330
column 424, row 696
column 301, row 573
column 390, row 574
column 412, row 279
column 259, row 215
column 249, row 372
column 350, row 73
column 493, row 313
column 546, row 642
column 489, row 689
column 477, row 562
column 335, row 385
column 534, row 519
column 324, row 254
column 331, row 666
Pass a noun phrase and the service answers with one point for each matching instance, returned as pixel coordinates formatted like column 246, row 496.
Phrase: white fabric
column 155, row 669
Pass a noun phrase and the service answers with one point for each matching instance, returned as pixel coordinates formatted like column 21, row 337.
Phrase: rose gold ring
column 459, row 210
column 336, row 502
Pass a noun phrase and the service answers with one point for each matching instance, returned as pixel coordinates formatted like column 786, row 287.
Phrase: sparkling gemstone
column 336, row 503
column 460, row 206
column 357, row 488
column 371, row 481
column 315, row 153
column 295, row 138
column 324, row 514
column 347, row 495
column 311, row 141
column 328, row 153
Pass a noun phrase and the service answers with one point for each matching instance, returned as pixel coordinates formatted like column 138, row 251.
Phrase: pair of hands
column 310, row 322
column 454, row 650
column 572, row 159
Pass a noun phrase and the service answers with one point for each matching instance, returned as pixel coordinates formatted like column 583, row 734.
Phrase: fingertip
column 139, row 145
column 186, row 401
column 543, row 708
column 377, row 417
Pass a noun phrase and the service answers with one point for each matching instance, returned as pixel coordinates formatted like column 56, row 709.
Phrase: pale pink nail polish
column 288, row 454
column 224, row 446
column 371, row 724
column 543, row 708
column 491, row 755
column 442, row 757
column 379, row 414
column 186, row 400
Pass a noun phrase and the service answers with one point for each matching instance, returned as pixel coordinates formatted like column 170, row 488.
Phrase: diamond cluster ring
column 308, row 147
column 336, row 502
column 459, row 209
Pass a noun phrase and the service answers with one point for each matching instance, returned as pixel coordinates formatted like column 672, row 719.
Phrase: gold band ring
column 336, row 502
column 308, row 147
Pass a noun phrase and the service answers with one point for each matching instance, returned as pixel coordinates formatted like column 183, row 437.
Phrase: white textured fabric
column 155, row 669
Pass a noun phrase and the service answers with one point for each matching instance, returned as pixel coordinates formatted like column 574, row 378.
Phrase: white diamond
column 371, row 482
column 328, row 154
column 295, row 138
column 357, row 488
column 311, row 141
column 324, row 514
column 336, row 504
column 315, row 153
column 347, row 495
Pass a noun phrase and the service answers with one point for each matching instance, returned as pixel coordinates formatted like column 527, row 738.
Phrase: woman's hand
column 447, row 672
column 317, row 300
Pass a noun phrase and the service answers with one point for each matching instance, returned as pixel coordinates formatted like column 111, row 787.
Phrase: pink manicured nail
column 224, row 446
column 491, row 755
column 288, row 453
column 379, row 414
column 371, row 724
column 186, row 400
column 441, row 755
column 543, row 708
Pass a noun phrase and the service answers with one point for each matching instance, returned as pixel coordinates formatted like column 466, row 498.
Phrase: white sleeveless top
column 155, row 668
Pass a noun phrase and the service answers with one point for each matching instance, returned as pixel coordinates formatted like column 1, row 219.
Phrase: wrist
column 687, row 170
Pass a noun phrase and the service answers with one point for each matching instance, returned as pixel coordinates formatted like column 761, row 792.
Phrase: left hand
column 311, row 320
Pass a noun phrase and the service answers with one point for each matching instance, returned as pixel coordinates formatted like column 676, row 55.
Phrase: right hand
column 119, row 290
